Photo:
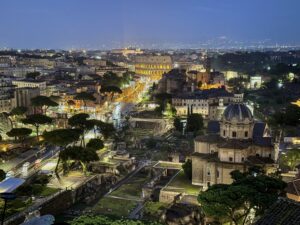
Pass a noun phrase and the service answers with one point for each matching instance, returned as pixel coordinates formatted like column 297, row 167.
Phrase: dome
column 238, row 111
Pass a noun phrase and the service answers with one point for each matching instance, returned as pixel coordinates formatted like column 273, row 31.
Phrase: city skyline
column 168, row 24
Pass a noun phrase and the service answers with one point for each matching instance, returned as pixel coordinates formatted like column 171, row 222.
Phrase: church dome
column 237, row 111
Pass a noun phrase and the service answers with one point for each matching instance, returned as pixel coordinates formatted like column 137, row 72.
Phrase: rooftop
column 205, row 94
column 293, row 187
column 238, row 111
column 283, row 212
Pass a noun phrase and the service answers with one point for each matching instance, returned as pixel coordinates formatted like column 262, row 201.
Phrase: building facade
column 153, row 66
column 23, row 98
column 209, row 103
column 238, row 144
column 7, row 101
column 41, row 85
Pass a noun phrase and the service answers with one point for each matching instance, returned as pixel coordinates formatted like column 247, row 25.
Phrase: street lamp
column 6, row 196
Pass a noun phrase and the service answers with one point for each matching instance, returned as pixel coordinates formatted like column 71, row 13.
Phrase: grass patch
column 169, row 165
column 15, row 206
column 47, row 191
column 133, row 188
column 115, row 207
column 153, row 210
column 182, row 182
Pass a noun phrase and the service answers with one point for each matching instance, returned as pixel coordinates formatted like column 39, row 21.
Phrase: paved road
column 42, row 156
column 135, row 213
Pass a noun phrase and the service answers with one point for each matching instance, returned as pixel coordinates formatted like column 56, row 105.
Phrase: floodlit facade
column 41, row 85
column 235, row 143
column 153, row 66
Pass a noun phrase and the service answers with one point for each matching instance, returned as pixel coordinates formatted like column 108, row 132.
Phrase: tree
column 62, row 138
column 177, row 124
column 151, row 143
column 19, row 133
column 234, row 202
column 267, row 190
column 169, row 111
column 187, row 168
column 85, row 97
column 95, row 144
column 2, row 175
column 290, row 117
column 111, row 89
column 79, row 154
column 112, row 79
column 291, row 159
column 9, row 118
column 36, row 120
column 106, row 129
column 162, row 99
column 18, row 111
column 226, row 203
column 194, row 123
column 55, row 98
column 81, row 122
column 14, row 115
column 43, row 102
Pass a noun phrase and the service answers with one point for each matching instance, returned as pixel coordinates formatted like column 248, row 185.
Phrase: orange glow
column 297, row 103
column 210, row 86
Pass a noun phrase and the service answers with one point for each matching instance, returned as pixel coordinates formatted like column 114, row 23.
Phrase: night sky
column 115, row 23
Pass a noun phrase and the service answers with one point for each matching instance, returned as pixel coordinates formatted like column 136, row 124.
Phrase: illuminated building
column 41, row 85
column 255, row 82
column 95, row 62
column 209, row 103
column 6, row 61
column 38, row 62
column 236, row 143
column 127, row 51
column 230, row 75
column 23, row 97
column 7, row 100
column 172, row 82
column 153, row 66
column 199, row 77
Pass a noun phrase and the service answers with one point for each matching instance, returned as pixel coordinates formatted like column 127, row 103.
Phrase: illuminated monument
column 153, row 66
column 236, row 143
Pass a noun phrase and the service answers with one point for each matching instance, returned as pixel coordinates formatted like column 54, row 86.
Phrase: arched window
column 234, row 134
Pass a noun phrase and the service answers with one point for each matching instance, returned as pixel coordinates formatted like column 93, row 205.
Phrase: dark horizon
column 90, row 24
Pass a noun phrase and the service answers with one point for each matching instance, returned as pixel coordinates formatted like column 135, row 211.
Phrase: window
column 233, row 134
column 257, row 155
column 270, row 155
column 218, row 174
column 246, row 133
column 230, row 159
column 224, row 132
column 208, row 172
column 243, row 159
